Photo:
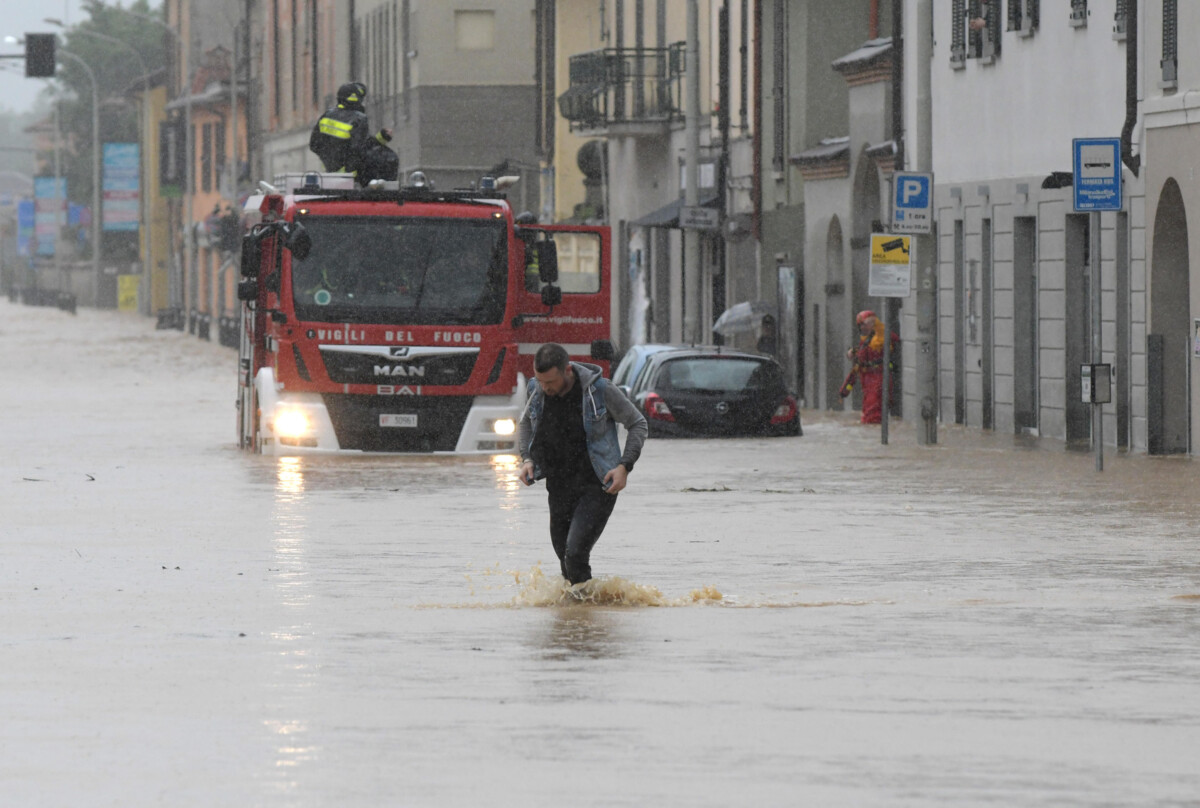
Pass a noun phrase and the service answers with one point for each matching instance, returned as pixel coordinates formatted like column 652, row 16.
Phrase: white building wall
column 1017, row 116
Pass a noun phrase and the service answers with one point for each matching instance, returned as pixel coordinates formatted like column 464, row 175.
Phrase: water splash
column 537, row 589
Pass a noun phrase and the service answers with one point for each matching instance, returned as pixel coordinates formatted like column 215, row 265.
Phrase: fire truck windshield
column 415, row 271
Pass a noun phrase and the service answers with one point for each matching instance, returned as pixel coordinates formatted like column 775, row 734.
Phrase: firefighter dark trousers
column 578, row 513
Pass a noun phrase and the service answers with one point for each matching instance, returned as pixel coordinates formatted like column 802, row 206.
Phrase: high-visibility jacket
column 340, row 138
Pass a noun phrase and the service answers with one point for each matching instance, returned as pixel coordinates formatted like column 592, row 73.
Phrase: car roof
column 657, row 360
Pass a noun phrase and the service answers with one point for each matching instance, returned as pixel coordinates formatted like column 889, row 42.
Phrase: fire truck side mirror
column 251, row 255
column 547, row 260
column 551, row 295
column 247, row 290
column 297, row 240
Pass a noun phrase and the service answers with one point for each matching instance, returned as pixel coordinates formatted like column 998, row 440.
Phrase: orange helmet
column 863, row 315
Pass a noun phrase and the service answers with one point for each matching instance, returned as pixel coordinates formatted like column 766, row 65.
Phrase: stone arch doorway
column 867, row 217
column 1168, row 344
column 836, row 328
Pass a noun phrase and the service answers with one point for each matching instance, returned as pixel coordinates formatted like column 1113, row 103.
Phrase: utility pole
column 692, row 283
column 927, row 274
column 95, row 172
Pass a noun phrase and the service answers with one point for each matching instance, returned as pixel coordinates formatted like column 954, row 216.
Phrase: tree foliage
column 118, row 75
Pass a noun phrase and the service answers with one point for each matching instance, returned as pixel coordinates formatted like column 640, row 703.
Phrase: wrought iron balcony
column 624, row 86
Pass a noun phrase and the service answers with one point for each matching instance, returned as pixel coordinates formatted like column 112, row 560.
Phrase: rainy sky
column 18, row 93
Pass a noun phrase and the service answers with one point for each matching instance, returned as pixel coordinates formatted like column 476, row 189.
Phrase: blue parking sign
column 912, row 205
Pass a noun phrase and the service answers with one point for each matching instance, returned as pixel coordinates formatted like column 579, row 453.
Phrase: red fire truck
column 403, row 318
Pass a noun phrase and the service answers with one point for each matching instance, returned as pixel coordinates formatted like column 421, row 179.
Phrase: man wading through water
column 569, row 437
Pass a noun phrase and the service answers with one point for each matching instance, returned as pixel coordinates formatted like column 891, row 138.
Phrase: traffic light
column 39, row 55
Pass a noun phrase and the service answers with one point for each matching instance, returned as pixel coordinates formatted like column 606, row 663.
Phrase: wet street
column 804, row 621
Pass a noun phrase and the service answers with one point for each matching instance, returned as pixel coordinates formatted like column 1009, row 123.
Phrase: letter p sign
column 912, row 206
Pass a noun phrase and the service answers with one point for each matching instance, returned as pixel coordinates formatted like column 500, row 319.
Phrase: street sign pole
column 890, row 276
column 1096, row 187
column 1097, row 324
column 912, row 212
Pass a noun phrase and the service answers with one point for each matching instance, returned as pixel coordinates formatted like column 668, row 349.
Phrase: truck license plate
column 407, row 419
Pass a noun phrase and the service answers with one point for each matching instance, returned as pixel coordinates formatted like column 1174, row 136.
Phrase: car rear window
column 718, row 374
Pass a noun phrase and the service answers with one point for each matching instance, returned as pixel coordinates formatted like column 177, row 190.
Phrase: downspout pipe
column 756, row 134
column 898, row 84
column 1132, row 161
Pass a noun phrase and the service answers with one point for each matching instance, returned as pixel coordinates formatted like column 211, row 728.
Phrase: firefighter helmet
column 351, row 95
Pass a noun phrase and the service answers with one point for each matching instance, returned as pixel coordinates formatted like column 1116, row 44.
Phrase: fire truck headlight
column 291, row 423
column 504, row 426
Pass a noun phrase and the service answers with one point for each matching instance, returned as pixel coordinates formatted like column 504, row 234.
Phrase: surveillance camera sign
column 891, row 269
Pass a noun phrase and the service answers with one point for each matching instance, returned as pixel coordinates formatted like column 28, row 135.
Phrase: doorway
column 1025, row 320
column 1170, row 294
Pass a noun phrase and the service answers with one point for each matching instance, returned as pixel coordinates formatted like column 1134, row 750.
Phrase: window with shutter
column 1119, row 20
column 1022, row 17
column 1170, row 40
column 991, row 45
column 1079, row 13
column 958, row 28
column 983, row 30
column 974, row 33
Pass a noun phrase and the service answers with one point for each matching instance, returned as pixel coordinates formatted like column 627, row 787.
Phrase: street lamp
column 95, row 168
column 145, row 114
column 189, row 179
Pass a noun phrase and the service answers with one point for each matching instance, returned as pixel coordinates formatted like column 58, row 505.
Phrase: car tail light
column 657, row 409
column 785, row 412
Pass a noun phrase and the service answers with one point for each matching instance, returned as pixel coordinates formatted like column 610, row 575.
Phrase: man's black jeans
column 579, row 510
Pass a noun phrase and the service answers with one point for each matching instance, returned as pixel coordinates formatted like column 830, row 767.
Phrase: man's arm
column 626, row 413
column 525, row 437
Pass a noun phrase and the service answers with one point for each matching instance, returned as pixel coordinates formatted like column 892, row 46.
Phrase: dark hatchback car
column 699, row 392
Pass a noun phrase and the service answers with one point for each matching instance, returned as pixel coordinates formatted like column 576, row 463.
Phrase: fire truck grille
column 350, row 368
column 357, row 422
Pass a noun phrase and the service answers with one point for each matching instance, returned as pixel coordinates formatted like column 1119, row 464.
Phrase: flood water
column 812, row 621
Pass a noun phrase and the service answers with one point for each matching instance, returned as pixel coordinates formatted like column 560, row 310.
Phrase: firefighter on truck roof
column 341, row 139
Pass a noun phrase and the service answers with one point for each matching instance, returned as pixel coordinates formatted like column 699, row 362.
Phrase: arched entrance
column 1168, row 344
column 867, row 217
column 836, row 328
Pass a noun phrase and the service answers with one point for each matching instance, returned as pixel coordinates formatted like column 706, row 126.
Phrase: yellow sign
column 127, row 292
column 887, row 248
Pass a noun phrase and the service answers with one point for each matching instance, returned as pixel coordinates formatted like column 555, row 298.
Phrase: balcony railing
column 624, row 85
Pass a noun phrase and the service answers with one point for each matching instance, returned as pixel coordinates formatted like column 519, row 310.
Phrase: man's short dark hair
column 551, row 355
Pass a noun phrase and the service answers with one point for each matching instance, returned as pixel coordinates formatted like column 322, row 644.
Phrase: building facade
column 1014, row 260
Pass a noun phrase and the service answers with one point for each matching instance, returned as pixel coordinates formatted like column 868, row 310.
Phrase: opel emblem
column 722, row 407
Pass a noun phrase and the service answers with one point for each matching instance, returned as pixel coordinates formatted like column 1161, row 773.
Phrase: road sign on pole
column 1097, row 180
column 912, row 205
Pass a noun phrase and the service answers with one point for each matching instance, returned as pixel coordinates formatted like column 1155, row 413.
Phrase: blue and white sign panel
column 1097, row 181
column 912, row 208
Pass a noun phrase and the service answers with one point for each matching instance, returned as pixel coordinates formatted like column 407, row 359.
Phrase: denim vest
column 603, row 445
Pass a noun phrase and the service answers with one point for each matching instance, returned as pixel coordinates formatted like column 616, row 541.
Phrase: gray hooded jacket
column 604, row 406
